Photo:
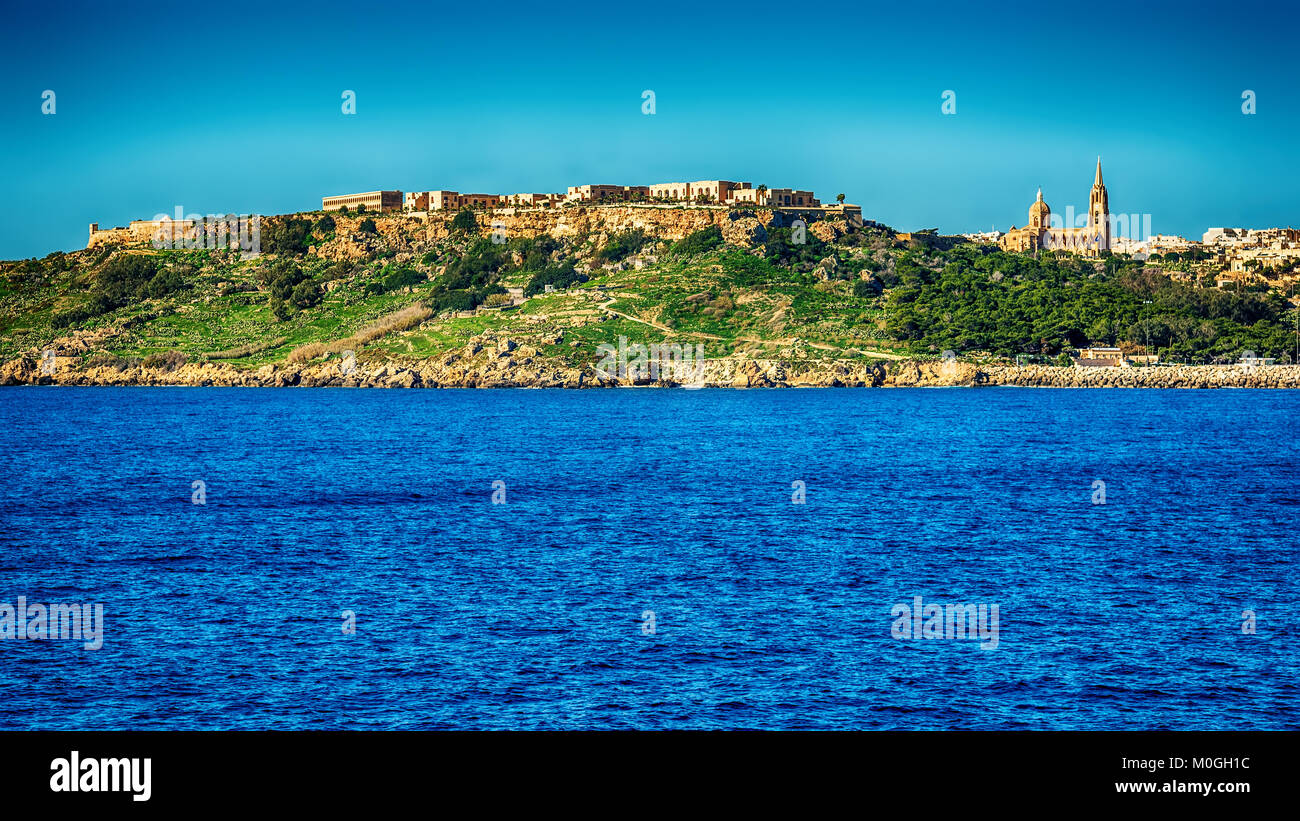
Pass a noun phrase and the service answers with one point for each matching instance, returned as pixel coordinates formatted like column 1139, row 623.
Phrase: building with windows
column 716, row 192
column 372, row 200
column 607, row 193
column 1090, row 239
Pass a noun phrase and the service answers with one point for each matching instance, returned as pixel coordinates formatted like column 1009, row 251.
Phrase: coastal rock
column 797, row 369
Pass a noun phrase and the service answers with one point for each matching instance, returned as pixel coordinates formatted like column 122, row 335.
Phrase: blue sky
column 236, row 108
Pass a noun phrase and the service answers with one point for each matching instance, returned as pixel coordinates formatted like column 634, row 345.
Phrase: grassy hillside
column 866, row 294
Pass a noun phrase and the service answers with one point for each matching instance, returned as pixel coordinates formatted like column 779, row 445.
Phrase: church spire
column 1098, row 180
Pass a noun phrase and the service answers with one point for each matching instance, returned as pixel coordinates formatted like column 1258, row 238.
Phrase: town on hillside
column 1227, row 258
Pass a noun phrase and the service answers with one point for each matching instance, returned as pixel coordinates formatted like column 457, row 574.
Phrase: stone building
column 787, row 197
column 372, row 200
column 726, row 192
column 1090, row 239
column 600, row 193
column 715, row 191
column 535, row 200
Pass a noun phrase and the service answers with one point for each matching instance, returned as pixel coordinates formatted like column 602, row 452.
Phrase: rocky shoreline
column 505, row 369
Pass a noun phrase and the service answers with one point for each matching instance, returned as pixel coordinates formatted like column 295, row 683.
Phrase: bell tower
column 1039, row 214
column 1099, row 212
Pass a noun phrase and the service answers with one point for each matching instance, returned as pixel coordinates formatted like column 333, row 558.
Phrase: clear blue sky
column 228, row 107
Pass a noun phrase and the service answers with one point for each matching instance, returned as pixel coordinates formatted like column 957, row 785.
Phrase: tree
column 305, row 294
column 464, row 222
column 288, row 235
column 367, row 226
column 839, row 198
column 402, row 277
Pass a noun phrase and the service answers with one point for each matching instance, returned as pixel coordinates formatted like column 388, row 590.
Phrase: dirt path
column 868, row 352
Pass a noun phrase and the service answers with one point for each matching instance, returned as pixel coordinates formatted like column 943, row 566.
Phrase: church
column 1089, row 240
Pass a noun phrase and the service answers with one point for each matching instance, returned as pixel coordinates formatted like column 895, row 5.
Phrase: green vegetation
column 867, row 293
column 285, row 235
column 464, row 222
column 699, row 242
column 622, row 246
column 973, row 298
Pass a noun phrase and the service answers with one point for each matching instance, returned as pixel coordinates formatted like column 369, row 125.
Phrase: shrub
column 367, row 226
column 560, row 275
column 867, row 288
column 306, row 353
column 476, row 268
column 283, row 277
column 699, row 242
column 169, row 361
column 464, row 222
column 402, row 277
column 285, row 235
column 455, row 301
column 73, row 316
column 395, row 322
column 124, row 277
column 164, row 282
column 306, row 294
column 108, row 360
column 621, row 246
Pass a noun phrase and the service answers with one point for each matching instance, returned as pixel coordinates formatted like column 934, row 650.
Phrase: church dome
column 1039, row 207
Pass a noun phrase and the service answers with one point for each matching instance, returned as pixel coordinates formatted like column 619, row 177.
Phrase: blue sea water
column 531, row 613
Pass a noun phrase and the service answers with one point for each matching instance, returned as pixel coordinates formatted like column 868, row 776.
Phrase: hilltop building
column 143, row 231
column 372, row 200
column 1091, row 239
column 716, row 192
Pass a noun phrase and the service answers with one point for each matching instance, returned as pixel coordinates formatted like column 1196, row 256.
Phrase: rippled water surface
column 767, row 614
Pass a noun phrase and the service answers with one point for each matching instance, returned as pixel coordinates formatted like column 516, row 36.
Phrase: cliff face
column 416, row 233
column 504, row 365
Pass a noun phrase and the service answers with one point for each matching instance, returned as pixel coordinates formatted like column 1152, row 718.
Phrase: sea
column 901, row 559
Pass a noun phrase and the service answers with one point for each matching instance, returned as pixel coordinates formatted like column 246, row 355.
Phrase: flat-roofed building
column 542, row 200
column 716, row 191
column 443, row 200
column 1100, row 353
column 773, row 197
column 786, row 197
column 751, row 195
column 372, row 200
column 480, row 200
column 669, row 190
column 594, row 193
